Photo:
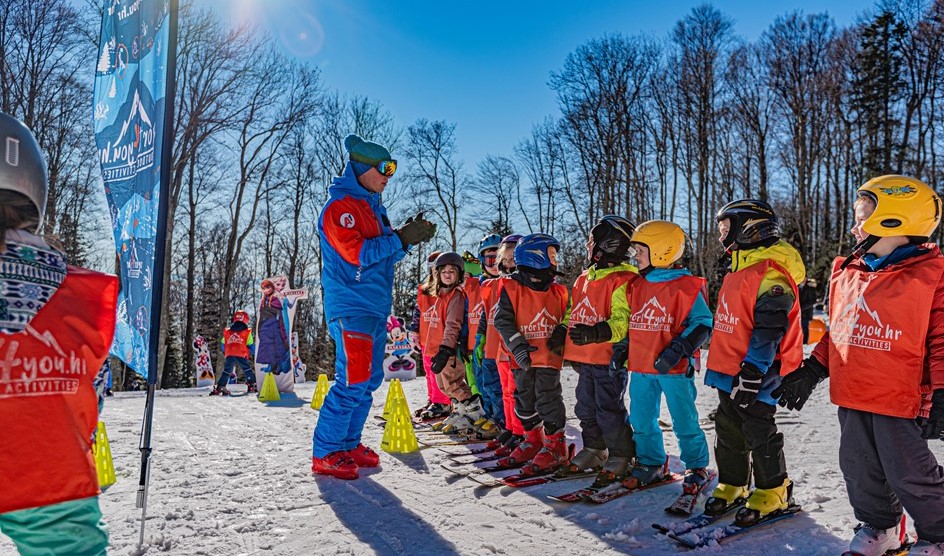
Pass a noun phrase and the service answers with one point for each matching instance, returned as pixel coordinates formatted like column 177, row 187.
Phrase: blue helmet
column 491, row 241
column 511, row 238
column 531, row 251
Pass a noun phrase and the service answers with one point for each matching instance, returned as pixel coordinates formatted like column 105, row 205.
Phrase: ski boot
column 464, row 416
column 509, row 446
column 642, row 475
column 499, row 440
column 419, row 412
column 220, row 391
column 695, row 479
column 927, row 548
column 875, row 541
column 613, row 470
column 764, row 501
column 554, row 454
column 725, row 495
column 364, row 456
column 252, row 388
column 526, row 450
column 486, row 429
column 435, row 411
column 335, row 464
column 588, row 459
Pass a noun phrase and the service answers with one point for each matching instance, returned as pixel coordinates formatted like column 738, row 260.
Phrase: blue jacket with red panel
column 358, row 250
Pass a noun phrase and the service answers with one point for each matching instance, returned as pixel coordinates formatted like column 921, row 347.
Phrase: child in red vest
column 882, row 355
column 669, row 321
column 756, row 340
column 443, row 315
column 49, row 499
column 438, row 404
column 599, row 317
column 485, row 371
column 238, row 347
column 531, row 319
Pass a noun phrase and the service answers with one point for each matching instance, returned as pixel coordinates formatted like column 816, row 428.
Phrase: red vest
column 536, row 315
column 878, row 326
column 734, row 322
column 490, row 292
column 424, row 301
column 235, row 343
column 433, row 315
column 659, row 312
column 473, row 290
column 48, row 408
column 591, row 304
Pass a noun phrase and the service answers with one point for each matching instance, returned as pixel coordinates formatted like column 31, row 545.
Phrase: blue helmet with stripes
column 531, row 251
column 491, row 241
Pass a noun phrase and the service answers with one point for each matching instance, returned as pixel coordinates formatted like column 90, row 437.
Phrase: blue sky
column 481, row 65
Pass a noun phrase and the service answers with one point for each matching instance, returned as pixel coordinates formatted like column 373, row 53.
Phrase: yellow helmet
column 904, row 206
column 665, row 240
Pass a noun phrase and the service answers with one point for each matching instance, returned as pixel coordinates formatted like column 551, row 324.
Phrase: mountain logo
column 724, row 320
column 584, row 313
column 431, row 316
column 859, row 325
column 541, row 326
column 652, row 317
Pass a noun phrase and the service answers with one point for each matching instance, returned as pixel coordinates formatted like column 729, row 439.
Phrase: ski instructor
column 359, row 248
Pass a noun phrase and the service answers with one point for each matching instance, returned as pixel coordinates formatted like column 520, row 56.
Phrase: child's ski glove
column 558, row 337
column 522, row 355
column 796, row 387
column 746, row 385
column 933, row 426
column 581, row 334
column 620, row 355
column 441, row 359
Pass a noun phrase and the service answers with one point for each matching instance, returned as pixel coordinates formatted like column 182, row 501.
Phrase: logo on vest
column 431, row 316
column 584, row 313
column 850, row 328
column 492, row 311
column 52, row 372
column 724, row 320
column 541, row 326
column 234, row 338
column 475, row 314
column 652, row 317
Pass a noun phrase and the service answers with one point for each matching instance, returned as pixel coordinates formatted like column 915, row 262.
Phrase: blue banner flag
column 130, row 101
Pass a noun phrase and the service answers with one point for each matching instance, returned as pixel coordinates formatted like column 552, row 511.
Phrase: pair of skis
column 695, row 533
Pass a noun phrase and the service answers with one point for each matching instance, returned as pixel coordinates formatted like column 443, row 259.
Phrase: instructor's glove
column 522, row 355
column 746, row 385
column 620, row 356
column 415, row 230
column 671, row 355
column 796, row 387
column 558, row 337
column 441, row 359
column 933, row 426
column 581, row 334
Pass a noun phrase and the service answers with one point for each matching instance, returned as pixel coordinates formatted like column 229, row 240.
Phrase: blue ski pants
column 486, row 376
column 358, row 371
column 645, row 402
column 244, row 365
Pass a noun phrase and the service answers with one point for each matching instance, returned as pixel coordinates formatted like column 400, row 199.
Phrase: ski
column 697, row 539
column 482, row 450
column 618, row 490
column 521, row 480
column 698, row 521
column 446, row 441
column 900, row 551
column 685, row 503
column 473, row 459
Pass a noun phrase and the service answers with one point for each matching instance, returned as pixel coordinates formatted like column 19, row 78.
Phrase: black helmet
column 451, row 258
column 22, row 165
column 611, row 238
column 753, row 222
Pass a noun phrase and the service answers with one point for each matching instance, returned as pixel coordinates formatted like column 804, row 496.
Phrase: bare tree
column 438, row 183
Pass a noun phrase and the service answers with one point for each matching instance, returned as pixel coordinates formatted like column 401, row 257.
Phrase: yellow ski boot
column 724, row 497
column 765, row 501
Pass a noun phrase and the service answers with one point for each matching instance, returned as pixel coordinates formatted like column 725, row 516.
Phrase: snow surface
column 232, row 476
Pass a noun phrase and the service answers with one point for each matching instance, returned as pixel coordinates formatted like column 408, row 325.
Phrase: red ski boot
column 553, row 455
column 336, row 464
column 364, row 456
column 526, row 450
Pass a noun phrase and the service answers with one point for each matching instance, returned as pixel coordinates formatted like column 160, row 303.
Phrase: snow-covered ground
column 232, row 476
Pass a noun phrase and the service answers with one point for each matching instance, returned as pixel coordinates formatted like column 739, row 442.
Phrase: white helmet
column 22, row 166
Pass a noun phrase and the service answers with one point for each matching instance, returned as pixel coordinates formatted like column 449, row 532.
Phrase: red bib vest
column 473, row 293
column 591, row 304
column 48, row 408
column 734, row 322
column 490, row 292
column 659, row 310
column 878, row 326
column 424, row 301
column 536, row 315
column 433, row 314
column 235, row 343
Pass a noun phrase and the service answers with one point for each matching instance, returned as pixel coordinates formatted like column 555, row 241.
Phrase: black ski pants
column 745, row 436
column 887, row 465
column 539, row 397
column 601, row 408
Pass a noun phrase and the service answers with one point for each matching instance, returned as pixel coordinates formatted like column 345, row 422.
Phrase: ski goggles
column 490, row 259
column 387, row 167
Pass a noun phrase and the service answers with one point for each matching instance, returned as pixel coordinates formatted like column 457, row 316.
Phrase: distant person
column 882, row 355
column 238, row 349
column 56, row 315
column 808, row 298
column 358, row 248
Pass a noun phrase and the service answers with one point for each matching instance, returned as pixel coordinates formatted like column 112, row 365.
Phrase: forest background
column 648, row 127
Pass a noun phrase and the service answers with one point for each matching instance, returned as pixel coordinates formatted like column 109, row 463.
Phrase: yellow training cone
column 269, row 392
column 399, row 436
column 391, row 397
column 103, row 462
column 321, row 392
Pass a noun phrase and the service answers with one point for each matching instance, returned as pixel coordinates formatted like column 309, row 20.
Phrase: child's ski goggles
column 387, row 167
